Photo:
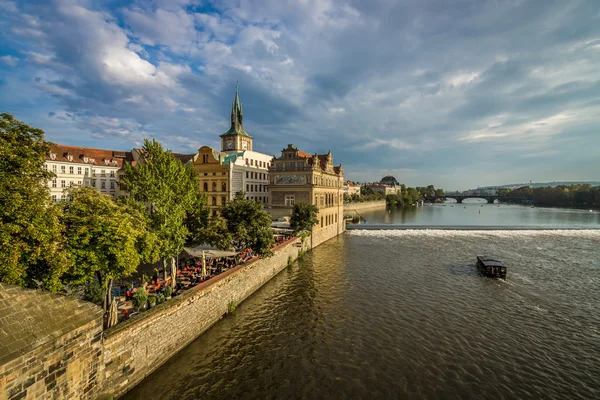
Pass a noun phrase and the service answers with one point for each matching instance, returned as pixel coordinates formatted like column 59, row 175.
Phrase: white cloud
column 10, row 60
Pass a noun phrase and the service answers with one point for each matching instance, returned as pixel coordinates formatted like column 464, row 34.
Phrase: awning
column 209, row 252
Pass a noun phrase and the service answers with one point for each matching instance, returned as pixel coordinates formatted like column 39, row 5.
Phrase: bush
column 140, row 298
column 168, row 291
column 93, row 292
column 231, row 306
column 160, row 298
column 155, row 273
column 151, row 300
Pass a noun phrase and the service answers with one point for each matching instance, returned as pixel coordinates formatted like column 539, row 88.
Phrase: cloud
column 10, row 60
column 425, row 90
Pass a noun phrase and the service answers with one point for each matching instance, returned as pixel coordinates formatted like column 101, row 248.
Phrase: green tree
column 169, row 191
column 304, row 217
column 217, row 233
column 31, row 243
column 248, row 224
column 105, row 239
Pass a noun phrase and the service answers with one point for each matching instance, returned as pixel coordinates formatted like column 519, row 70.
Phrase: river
column 403, row 314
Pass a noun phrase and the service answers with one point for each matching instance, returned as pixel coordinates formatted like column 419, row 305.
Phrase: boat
column 491, row 267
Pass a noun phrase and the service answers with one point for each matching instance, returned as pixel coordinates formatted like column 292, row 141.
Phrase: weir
column 352, row 227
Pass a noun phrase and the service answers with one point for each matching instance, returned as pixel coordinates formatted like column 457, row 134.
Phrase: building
column 351, row 188
column 82, row 166
column 389, row 180
column 298, row 177
column 236, row 168
column 383, row 188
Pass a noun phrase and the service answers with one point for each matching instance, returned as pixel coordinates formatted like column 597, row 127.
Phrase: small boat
column 491, row 267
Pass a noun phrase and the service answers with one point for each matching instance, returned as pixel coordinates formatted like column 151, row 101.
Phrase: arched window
column 214, row 186
column 205, row 187
column 223, row 187
column 321, row 222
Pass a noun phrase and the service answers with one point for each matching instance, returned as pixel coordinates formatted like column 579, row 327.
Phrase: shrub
column 140, row 298
column 155, row 273
column 151, row 300
column 94, row 293
column 231, row 306
column 160, row 298
column 168, row 291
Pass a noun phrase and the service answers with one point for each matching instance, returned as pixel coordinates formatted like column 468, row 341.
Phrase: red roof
column 79, row 154
column 303, row 154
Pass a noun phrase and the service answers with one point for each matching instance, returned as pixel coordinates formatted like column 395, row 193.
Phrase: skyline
column 479, row 93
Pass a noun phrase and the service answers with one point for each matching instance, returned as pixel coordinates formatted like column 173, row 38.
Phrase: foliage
column 249, row 225
column 170, row 191
column 168, row 291
column 290, row 260
column 152, row 300
column 31, row 245
column 93, row 292
column 197, row 214
column 155, row 273
column 217, row 233
column 140, row 298
column 105, row 239
column 231, row 306
column 304, row 217
column 561, row 196
column 160, row 298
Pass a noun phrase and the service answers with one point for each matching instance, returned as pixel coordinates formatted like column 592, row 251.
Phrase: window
column 112, row 184
column 336, row 218
column 103, row 172
column 87, row 171
column 214, row 185
column 78, row 170
column 247, row 187
column 112, row 174
column 205, row 158
column 93, row 172
column 290, row 200
column 321, row 222
column 63, row 184
column 223, row 187
column 79, row 183
column 102, row 184
column 53, row 182
column 206, row 174
column 205, row 186
column 214, row 213
column 62, row 169
column 214, row 201
column 71, row 170
column 54, row 198
column 54, row 168
column 252, row 162
column 93, row 183
column 223, row 200
column 62, row 197
column 45, row 167
column 71, row 183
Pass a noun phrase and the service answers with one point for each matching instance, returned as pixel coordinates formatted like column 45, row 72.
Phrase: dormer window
column 85, row 159
column 92, row 161
column 114, row 163
column 106, row 161
column 53, row 156
column 69, row 157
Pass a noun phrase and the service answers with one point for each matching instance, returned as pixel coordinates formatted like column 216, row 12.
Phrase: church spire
column 236, row 117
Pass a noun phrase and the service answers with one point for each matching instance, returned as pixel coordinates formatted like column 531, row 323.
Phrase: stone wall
column 133, row 349
column 349, row 208
column 50, row 346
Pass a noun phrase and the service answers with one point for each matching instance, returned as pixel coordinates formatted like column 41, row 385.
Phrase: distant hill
column 545, row 184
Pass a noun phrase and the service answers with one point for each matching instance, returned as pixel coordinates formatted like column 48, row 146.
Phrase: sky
column 455, row 93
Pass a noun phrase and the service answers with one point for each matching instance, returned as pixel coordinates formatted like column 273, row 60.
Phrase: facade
column 82, row 166
column 385, row 189
column 298, row 177
column 236, row 168
column 351, row 188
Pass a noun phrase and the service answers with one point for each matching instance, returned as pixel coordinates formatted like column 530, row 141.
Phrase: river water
column 404, row 314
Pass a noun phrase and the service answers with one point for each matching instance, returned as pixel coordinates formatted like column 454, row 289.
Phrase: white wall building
column 77, row 166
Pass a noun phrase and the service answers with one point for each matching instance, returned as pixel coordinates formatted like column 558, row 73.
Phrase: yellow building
column 236, row 168
column 298, row 177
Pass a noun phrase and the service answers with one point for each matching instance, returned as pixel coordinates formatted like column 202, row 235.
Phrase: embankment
column 350, row 208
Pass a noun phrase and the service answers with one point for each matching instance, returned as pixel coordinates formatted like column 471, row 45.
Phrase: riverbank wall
column 350, row 208
column 135, row 348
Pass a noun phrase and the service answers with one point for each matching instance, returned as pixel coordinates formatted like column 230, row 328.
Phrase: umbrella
column 113, row 317
column 173, row 272
column 203, row 265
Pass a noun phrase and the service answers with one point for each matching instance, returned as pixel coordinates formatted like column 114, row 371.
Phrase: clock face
column 244, row 145
column 229, row 145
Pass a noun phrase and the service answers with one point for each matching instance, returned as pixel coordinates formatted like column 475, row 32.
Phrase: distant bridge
column 489, row 198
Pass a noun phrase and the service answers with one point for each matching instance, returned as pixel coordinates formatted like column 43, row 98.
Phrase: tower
column 236, row 139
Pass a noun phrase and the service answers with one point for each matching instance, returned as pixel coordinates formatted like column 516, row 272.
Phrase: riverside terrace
column 191, row 271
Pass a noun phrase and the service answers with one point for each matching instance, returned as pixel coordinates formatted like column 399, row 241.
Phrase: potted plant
column 151, row 301
column 155, row 274
column 168, row 292
column 140, row 299
column 160, row 298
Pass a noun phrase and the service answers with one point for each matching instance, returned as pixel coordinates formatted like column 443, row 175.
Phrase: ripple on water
column 398, row 314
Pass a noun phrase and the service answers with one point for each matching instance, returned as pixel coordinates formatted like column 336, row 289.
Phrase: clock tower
column 236, row 139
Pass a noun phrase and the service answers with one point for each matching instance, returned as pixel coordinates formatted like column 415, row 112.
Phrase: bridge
column 489, row 198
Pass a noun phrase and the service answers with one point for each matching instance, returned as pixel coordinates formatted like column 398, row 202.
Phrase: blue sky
column 452, row 93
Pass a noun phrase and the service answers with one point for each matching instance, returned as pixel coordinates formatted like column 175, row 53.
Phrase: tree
column 304, row 217
column 217, row 233
column 31, row 245
column 169, row 191
column 105, row 239
column 248, row 224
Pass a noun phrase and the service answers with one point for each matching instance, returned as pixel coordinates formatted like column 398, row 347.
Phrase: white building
column 77, row 166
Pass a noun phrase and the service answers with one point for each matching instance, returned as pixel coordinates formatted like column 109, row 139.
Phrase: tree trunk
column 164, row 260
column 108, row 296
column 101, row 283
